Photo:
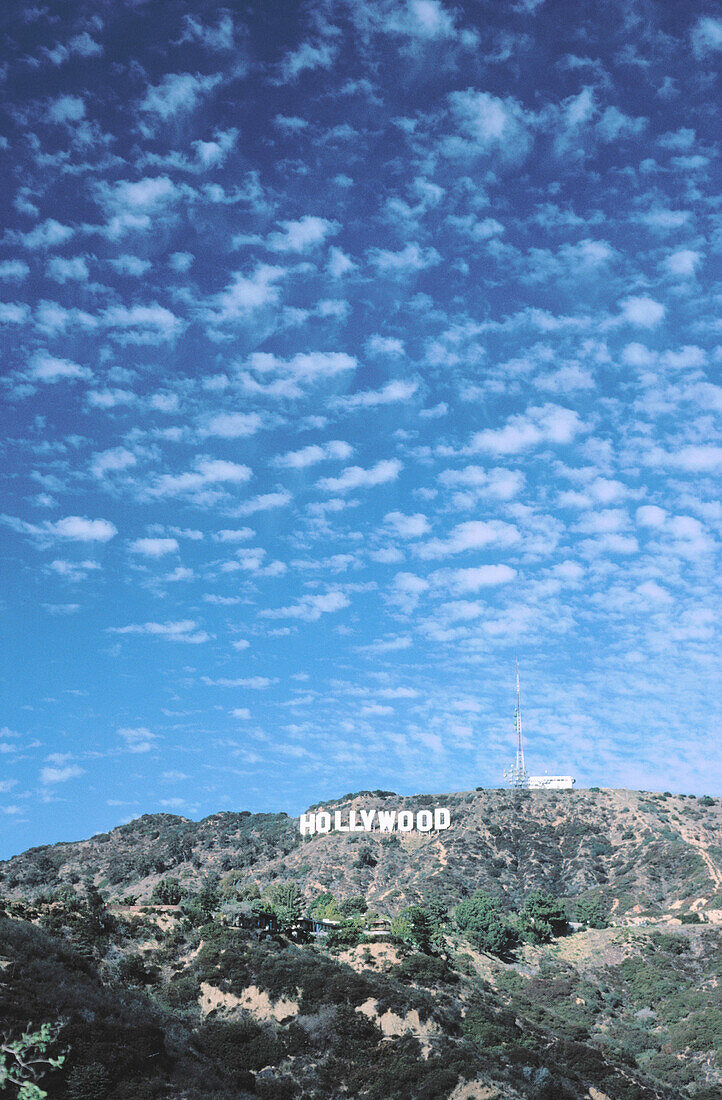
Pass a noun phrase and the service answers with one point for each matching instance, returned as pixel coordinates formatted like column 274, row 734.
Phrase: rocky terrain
column 547, row 946
column 644, row 852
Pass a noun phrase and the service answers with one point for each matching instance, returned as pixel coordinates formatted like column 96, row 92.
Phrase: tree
column 167, row 892
column 353, row 906
column 23, row 1061
column 542, row 917
column 482, row 917
column 199, row 908
column 88, row 1082
column 415, row 925
column 287, row 902
column 324, row 907
column 593, row 912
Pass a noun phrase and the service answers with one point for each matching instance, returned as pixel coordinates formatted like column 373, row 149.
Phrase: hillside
column 149, row 950
column 650, row 852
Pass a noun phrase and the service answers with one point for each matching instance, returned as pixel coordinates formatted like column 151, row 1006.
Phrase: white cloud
column 185, row 630
column 409, row 259
column 208, row 473
column 240, row 534
column 287, row 376
column 47, row 234
column 356, row 477
column 150, row 324
column 256, row 683
column 263, row 503
column 385, row 345
column 64, row 271
column 496, row 482
column 176, row 93
column 136, row 205
column 245, row 294
column 113, row 461
column 66, row 108
column 397, row 390
column 339, row 263
column 60, row 774
column 694, row 458
column 649, row 515
column 537, row 426
column 212, row 154
column 642, row 311
column 472, row 535
column 14, row 270
column 614, row 125
column 307, row 57
column 138, row 739
column 131, row 265
column 309, row 456
column 310, row 608
column 233, row 425
column 407, row 527
column 70, row 528
column 707, row 36
column 47, row 368
column 490, row 125
column 73, row 570
column 406, row 591
column 662, row 219
column 154, row 547
column 302, row 235
column 471, row 580
column 683, row 263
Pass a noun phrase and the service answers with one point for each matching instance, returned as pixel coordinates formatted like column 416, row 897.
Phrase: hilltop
column 547, row 946
column 642, row 851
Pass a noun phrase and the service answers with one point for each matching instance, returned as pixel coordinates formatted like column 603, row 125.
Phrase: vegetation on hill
column 539, row 968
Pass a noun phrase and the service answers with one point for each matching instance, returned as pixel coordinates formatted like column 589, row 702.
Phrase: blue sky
column 349, row 349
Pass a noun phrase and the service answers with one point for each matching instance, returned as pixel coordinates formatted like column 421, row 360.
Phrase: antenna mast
column 516, row 774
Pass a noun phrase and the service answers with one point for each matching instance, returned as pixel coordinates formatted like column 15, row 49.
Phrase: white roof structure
column 551, row 782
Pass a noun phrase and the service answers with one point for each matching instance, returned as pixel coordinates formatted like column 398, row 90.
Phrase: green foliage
column 324, row 907
column 482, row 917
column 199, row 908
column 593, row 912
column 133, row 969
column 541, row 917
column 705, row 800
column 88, row 1082
column 348, row 934
column 237, row 1048
column 287, row 903
column 353, row 906
column 416, row 925
column 27, row 1058
column 366, row 857
column 425, row 970
column 167, row 892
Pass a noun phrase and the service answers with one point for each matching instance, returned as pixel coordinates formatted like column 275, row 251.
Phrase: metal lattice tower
column 516, row 774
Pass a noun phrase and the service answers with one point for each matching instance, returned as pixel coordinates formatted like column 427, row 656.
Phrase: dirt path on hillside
column 715, row 873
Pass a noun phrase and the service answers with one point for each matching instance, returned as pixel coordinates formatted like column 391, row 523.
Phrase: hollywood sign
column 382, row 821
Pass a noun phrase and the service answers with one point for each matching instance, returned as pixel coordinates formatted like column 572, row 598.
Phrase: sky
column 351, row 349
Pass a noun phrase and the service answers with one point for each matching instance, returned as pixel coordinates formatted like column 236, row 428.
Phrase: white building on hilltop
column 516, row 774
column 551, row 782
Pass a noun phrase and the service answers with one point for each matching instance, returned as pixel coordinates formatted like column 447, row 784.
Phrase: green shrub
column 594, row 913
column 482, row 918
column 167, row 892
column 542, row 917
column 424, row 970
column 88, row 1082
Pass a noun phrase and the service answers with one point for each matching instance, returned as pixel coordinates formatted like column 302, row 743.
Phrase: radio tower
column 516, row 774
